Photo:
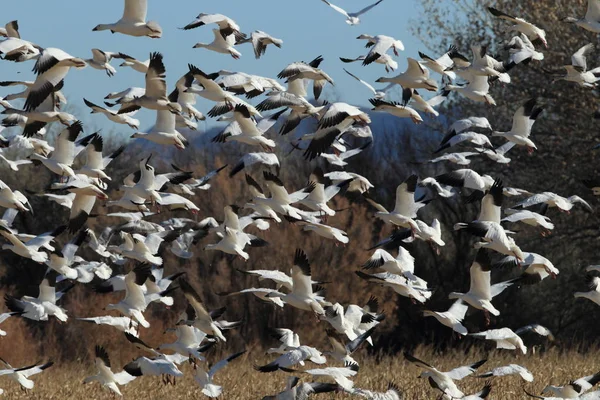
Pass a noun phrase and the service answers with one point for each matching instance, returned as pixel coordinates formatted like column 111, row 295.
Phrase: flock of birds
column 136, row 243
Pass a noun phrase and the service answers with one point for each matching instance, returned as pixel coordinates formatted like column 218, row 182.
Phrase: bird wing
column 336, row 8
column 464, row 371
column 221, row 364
column 301, row 274
column 593, row 10
column 480, row 282
column 195, row 301
column 135, row 11
column 156, row 85
column 36, row 369
column 458, row 310
column 415, row 68
column 134, row 296
column 364, row 10
column 539, row 329
column 369, row 86
column 579, row 58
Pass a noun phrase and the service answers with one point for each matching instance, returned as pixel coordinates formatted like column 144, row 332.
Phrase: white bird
column 136, row 65
column 396, row 109
column 466, row 178
column 13, row 199
column 452, row 318
column 227, row 26
column 292, row 357
column 444, row 64
column 452, row 139
column 205, row 379
column 386, row 60
column 523, row 121
column 554, row 200
column 101, row 60
column 114, row 116
column 393, row 392
column 159, row 364
column 444, row 381
column 594, row 293
column 246, row 130
column 340, row 375
column 591, row 20
column 400, row 284
column 202, row 318
column 133, row 22
column 134, row 303
column 61, row 159
column 22, row 375
column 494, row 237
column 358, row 183
column 574, row 389
column 511, row 369
column 537, row 267
column 535, row 34
column 295, row 391
column 301, row 71
column 342, row 349
column 477, row 89
column 105, row 376
column 221, row 45
column 505, row 338
column 250, row 159
column 578, row 70
column 380, row 44
column 123, row 324
column 456, row 158
column 378, row 95
column 30, row 248
column 522, row 50
column 260, row 40
column 11, row 29
column 352, row 18
column 416, row 76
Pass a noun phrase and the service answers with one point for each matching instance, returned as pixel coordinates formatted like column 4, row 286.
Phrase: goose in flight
column 578, row 70
column 155, row 95
column 221, row 45
column 136, row 65
column 358, row 183
column 511, row 369
column 134, row 303
column 505, row 338
column 522, row 50
column 42, row 307
column 133, row 22
column 159, row 364
column 249, row 159
column 122, row 324
column 494, row 237
column 19, row 50
column 292, row 357
column 247, row 84
column 416, row 76
column 491, row 202
column 590, row 22
column 456, row 158
column 554, row 200
column 164, row 131
column 295, row 391
column 452, row 318
column 101, row 60
column 453, row 139
column 114, row 116
column 535, row 34
column 227, row 26
column 396, row 109
column 302, row 295
column 341, row 349
column 105, row 376
column 386, row 60
column 401, row 285
column 594, row 293
column 339, row 374
column 202, row 318
column 13, row 199
column 403, row 264
column 378, row 95
column 477, row 89
column 444, row 381
column 481, row 291
column 466, row 178
column 301, row 71
column 393, row 392
column 300, row 107
column 326, row 231
column 318, row 198
column 445, row 63
column 537, row 267
column 529, row 218
column 260, row 40
column 263, row 294
column 379, row 45
column 574, row 389
column 22, row 375
column 339, row 159
column 523, row 121
column 352, row 18
column 412, row 97
column 31, row 248
column 205, row 378
column 244, row 129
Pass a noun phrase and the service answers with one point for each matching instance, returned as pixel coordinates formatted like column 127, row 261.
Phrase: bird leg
column 486, row 313
column 530, row 150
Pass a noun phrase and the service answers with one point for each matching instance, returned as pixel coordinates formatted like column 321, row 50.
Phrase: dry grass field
column 242, row 382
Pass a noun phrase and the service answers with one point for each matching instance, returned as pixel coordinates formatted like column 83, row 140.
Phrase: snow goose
column 594, row 293
column 494, row 237
column 393, row 392
column 134, row 303
column 358, row 183
column 13, row 199
column 63, row 155
column 292, row 357
column 456, row 158
column 554, row 200
column 399, row 284
column 280, row 200
column 144, row 248
column 529, row 218
column 295, row 391
column 396, row 109
column 260, row 40
column 453, row 139
column 485, row 65
column 123, row 324
column 356, row 320
column 247, row 84
column 339, row 374
column 352, row 18
column 250, row 159
column 133, row 22
column 124, row 96
column 300, row 71
column 202, row 318
column 523, row 121
column 431, row 234
column 511, row 369
column 477, row 89
column 434, row 185
column 300, row 107
column 386, row 60
column 105, row 376
column 185, row 99
column 378, row 95
column 505, row 338
column 535, row 34
column 233, row 242
column 205, row 378
column 164, row 131
column 221, row 45
column 4, row 317
column 159, row 364
column 342, row 349
column 101, row 60
column 155, row 95
column 246, row 130
column 62, row 260
column 35, row 121
column 318, row 198
column 19, row 50
column 416, row 76
column 136, row 65
column 403, row 264
column 590, row 22
column 412, row 97
column 482, row 394
column 379, row 45
column 288, row 338
column 302, row 295
column 491, row 203
column 22, row 375
column 212, row 90
column 42, row 307
column 578, row 70
column 281, row 279
column 405, row 208
column 11, row 29
column 51, row 68
column 451, row 318
column 227, row 26
column 537, row 268
column 574, row 389
column 444, row 381
column 444, row 64
column 481, row 291
column 522, row 50
column 326, row 231
column 30, row 249
column 263, row 294
column 95, row 163
column 466, row 178
column 339, row 159
column 114, row 116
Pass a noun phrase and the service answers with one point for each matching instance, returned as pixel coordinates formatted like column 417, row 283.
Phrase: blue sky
column 307, row 32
